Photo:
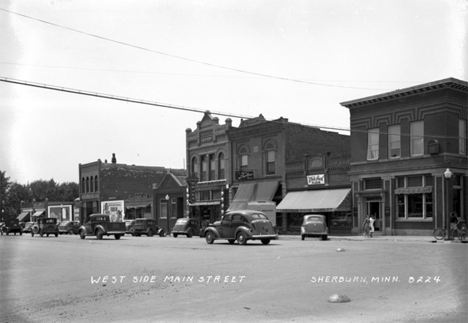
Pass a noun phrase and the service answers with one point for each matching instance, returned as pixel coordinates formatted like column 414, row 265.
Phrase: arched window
column 194, row 168
column 83, row 185
column 96, row 184
column 91, row 184
column 87, row 184
column 221, row 166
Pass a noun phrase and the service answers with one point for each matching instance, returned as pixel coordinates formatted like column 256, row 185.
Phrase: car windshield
column 314, row 219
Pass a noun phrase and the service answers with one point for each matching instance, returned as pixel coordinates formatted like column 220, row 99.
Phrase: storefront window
column 415, row 205
column 401, row 205
column 429, row 205
column 163, row 213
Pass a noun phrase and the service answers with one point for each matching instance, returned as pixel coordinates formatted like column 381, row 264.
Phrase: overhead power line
column 188, row 109
column 189, row 59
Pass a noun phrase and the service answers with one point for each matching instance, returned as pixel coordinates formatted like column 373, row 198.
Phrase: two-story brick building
column 402, row 144
column 260, row 151
column 124, row 191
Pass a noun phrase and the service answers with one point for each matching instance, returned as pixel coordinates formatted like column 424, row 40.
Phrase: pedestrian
column 371, row 225
column 365, row 226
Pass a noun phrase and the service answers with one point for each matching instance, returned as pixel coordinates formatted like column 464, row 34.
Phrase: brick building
column 260, row 151
column 124, row 191
column 402, row 144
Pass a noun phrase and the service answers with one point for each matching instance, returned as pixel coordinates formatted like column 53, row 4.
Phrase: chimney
column 114, row 160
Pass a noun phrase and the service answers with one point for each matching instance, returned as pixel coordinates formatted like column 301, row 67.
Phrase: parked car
column 314, row 225
column 11, row 226
column 342, row 221
column 242, row 226
column 186, row 226
column 46, row 226
column 28, row 227
column 100, row 225
column 129, row 226
column 69, row 227
column 147, row 226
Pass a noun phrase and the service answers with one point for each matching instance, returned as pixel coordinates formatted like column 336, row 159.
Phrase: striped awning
column 22, row 216
column 316, row 201
column 414, row 190
column 248, row 192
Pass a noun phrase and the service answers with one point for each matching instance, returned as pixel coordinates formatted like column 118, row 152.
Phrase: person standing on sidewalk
column 371, row 225
column 366, row 226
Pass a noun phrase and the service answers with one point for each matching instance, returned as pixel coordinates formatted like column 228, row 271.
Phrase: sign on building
column 316, row 179
column 115, row 210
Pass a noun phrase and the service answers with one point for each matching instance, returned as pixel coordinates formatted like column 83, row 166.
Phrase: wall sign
column 316, row 179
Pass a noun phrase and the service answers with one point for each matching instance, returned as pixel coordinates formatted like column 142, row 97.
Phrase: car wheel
column 231, row 241
column 99, row 234
column 302, row 237
column 174, row 235
column 324, row 238
column 189, row 233
column 82, row 234
column 209, row 238
column 117, row 236
column 162, row 233
column 70, row 232
column 241, row 238
column 32, row 234
column 265, row 241
column 150, row 233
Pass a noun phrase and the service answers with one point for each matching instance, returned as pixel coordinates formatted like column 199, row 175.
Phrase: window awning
column 316, row 201
column 22, row 216
column 414, row 190
column 38, row 213
column 205, row 203
column 247, row 192
column 137, row 205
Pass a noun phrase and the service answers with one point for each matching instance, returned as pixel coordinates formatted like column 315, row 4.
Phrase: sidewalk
column 429, row 239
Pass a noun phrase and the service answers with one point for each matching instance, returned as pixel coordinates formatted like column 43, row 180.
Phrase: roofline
column 450, row 82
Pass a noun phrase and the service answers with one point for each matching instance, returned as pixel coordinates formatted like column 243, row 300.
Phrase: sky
column 238, row 58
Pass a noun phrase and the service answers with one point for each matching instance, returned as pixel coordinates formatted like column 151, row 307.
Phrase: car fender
column 100, row 227
column 213, row 230
column 245, row 230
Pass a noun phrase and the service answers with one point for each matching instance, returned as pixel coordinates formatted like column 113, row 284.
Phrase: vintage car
column 129, row 226
column 242, row 226
column 100, row 225
column 148, row 227
column 69, row 227
column 186, row 226
column 46, row 226
column 314, row 225
column 28, row 227
column 11, row 226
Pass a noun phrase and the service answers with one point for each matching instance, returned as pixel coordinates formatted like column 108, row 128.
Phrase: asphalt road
column 141, row 279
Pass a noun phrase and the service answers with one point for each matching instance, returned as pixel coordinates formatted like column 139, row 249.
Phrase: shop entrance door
column 373, row 208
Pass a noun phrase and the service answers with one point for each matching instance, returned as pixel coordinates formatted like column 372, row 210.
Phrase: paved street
column 140, row 279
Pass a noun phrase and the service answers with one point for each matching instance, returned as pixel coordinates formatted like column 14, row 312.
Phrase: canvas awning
column 38, row 213
column 414, row 190
column 316, row 201
column 247, row 192
column 205, row 203
column 23, row 216
column 138, row 205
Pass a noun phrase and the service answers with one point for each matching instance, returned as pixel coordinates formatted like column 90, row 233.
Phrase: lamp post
column 449, row 200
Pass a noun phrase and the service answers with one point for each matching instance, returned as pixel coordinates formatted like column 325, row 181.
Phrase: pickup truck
column 100, row 225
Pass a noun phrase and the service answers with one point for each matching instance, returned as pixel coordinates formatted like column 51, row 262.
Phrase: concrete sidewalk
column 428, row 239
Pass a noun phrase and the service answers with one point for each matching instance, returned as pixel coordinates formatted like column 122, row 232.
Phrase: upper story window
column 83, row 185
column 394, row 141
column 462, row 135
column 373, row 144
column 194, row 167
column 221, row 166
column 244, row 158
column 417, row 138
column 270, row 158
column 96, row 184
column 87, row 184
column 204, row 168
column 212, row 167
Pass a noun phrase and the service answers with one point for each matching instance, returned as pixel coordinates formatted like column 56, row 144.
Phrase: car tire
column 189, row 233
column 324, row 238
column 150, row 233
column 82, row 234
column 117, row 236
column 162, row 233
column 209, row 238
column 265, row 241
column 241, row 238
column 56, row 235
column 99, row 234
column 302, row 237
column 41, row 234
column 174, row 235
column 32, row 234
column 231, row 241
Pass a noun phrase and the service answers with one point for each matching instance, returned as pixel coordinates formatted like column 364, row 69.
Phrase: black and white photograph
column 233, row 161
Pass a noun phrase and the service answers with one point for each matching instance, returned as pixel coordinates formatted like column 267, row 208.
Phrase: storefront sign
column 60, row 212
column 244, row 174
column 316, row 179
